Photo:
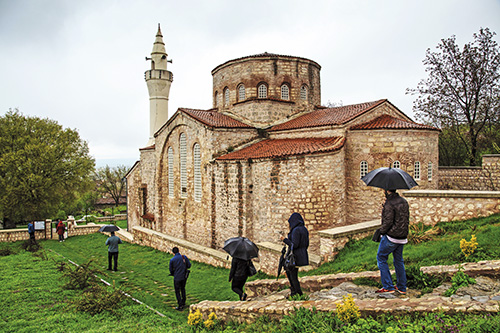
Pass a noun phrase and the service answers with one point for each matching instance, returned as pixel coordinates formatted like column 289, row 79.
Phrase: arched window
column 241, row 92
column 226, row 96
column 216, row 99
column 417, row 170
column 303, row 93
column 363, row 168
column 262, row 90
column 396, row 164
column 429, row 171
column 197, row 172
column 285, row 92
column 170, row 160
column 182, row 160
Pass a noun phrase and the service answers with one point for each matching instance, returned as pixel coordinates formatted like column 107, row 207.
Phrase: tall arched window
column 262, row 90
column 396, row 164
column 170, row 160
column 417, row 170
column 241, row 92
column 429, row 171
column 182, row 160
column 216, row 99
column 363, row 168
column 197, row 172
column 303, row 93
column 226, row 96
column 285, row 92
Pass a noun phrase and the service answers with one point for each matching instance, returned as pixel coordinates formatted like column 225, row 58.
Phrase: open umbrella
column 109, row 228
column 241, row 247
column 389, row 179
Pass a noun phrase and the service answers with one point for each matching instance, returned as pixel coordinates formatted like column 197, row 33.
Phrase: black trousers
column 114, row 256
column 293, row 278
column 180, row 292
column 237, row 285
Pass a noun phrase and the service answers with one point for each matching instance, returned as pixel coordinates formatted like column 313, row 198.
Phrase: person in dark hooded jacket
column 238, row 275
column 299, row 238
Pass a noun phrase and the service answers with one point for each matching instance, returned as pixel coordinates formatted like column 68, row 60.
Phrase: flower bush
column 195, row 318
column 468, row 248
column 348, row 311
column 211, row 321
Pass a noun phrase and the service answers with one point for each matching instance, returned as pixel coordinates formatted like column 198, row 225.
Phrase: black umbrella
column 109, row 228
column 389, row 179
column 241, row 247
column 282, row 261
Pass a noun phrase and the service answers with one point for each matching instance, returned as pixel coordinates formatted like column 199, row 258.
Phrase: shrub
column 98, row 299
column 30, row 246
column 416, row 279
column 459, row 279
column 298, row 297
column 418, row 235
column 348, row 311
column 195, row 318
column 5, row 251
column 79, row 277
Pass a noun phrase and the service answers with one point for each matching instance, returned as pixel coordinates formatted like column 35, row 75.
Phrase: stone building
column 265, row 149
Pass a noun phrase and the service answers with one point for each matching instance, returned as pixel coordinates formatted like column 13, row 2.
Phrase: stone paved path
column 326, row 291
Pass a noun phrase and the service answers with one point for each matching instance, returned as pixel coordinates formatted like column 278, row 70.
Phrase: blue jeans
column 385, row 248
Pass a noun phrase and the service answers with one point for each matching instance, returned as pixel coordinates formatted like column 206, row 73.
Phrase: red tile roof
column 389, row 122
column 328, row 116
column 215, row 119
column 286, row 147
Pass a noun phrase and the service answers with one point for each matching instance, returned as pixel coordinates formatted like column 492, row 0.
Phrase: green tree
column 462, row 91
column 42, row 166
column 111, row 181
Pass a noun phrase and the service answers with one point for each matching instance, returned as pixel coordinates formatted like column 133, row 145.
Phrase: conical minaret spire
column 158, row 80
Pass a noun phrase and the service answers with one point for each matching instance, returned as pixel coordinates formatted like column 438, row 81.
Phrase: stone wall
column 14, row 235
column 483, row 178
column 433, row 206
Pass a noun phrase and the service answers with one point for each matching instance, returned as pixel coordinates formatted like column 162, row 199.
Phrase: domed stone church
column 267, row 148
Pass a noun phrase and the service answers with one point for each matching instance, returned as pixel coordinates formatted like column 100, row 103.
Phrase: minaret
column 158, row 80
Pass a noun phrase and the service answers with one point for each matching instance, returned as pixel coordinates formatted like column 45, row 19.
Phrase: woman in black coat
column 238, row 275
column 299, row 238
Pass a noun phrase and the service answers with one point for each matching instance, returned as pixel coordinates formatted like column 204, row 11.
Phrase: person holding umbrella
column 112, row 243
column 298, row 240
column 395, row 225
column 242, row 250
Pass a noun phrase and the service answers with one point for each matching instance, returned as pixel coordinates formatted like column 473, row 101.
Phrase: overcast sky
column 82, row 63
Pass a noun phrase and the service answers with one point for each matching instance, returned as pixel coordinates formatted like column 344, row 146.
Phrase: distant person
column 60, row 228
column 299, row 238
column 112, row 243
column 178, row 267
column 239, row 273
column 394, row 230
column 31, row 232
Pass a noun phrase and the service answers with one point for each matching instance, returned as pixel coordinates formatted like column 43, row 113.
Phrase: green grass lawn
column 34, row 300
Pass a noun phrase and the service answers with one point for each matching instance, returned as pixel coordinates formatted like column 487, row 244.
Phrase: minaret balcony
column 158, row 74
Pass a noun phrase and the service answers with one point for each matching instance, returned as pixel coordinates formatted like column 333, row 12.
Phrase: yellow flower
column 195, row 318
column 468, row 248
column 348, row 311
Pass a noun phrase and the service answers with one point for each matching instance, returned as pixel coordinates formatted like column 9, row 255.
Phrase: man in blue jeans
column 394, row 231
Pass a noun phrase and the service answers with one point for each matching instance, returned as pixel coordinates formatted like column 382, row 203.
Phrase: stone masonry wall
column 484, row 178
column 433, row 206
column 380, row 148
column 274, row 71
column 267, row 192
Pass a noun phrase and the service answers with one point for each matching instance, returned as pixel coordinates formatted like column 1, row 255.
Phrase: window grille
column 303, row 93
column 429, row 171
column 241, row 93
column 396, row 164
column 262, row 91
column 417, row 170
column 226, row 97
column 285, row 92
column 363, row 168
column 170, row 159
column 183, row 153
column 197, row 173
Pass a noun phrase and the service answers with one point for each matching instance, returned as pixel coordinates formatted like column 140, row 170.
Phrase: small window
column 197, row 172
column 262, row 90
column 417, row 170
column 216, row 99
column 429, row 171
column 363, row 168
column 183, row 157
column 170, row 158
column 285, row 92
column 303, row 93
column 241, row 93
column 226, row 96
column 396, row 165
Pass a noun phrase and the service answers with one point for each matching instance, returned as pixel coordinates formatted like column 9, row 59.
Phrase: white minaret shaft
column 158, row 80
